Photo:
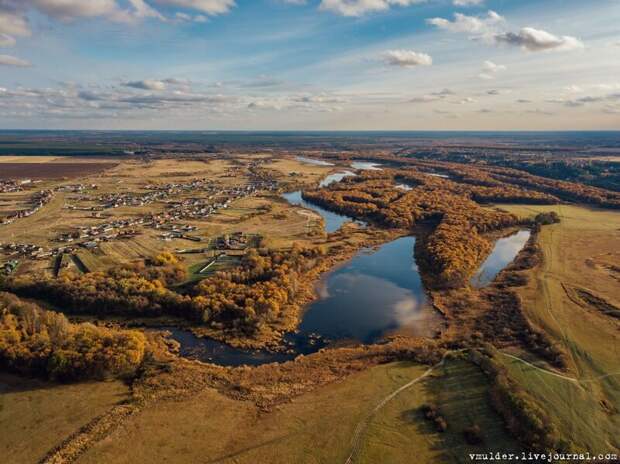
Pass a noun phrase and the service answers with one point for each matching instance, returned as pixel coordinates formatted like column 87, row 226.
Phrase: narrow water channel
column 366, row 166
column 336, row 177
column 333, row 221
column 313, row 161
column 504, row 252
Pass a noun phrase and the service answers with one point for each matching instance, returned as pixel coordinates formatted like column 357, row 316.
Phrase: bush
column 473, row 435
column 548, row 218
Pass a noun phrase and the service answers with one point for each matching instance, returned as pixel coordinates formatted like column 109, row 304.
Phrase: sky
column 310, row 64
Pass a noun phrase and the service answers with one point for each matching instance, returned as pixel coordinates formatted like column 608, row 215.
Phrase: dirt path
column 546, row 371
column 363, row 425
column 557, row 374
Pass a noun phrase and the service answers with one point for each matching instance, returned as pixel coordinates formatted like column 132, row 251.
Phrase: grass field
column 36, row 416
column 578, row 253
column 460, row 391
column 317, row 427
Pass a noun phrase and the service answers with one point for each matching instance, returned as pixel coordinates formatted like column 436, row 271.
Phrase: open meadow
column 567, row 298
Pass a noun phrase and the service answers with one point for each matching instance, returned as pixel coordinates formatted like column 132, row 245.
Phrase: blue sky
column 318, row 64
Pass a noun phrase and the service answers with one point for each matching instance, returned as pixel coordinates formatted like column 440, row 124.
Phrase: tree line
column 264, row 287
column 44, row 343
column 454, row 248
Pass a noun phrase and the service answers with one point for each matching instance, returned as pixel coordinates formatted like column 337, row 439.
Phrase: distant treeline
column 475, row 170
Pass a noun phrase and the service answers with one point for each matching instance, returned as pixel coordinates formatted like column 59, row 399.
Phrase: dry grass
column 578, row 253
column 35, row 416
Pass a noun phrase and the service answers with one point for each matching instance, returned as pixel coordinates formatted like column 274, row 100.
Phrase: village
column 176, row 210
column 37, row 201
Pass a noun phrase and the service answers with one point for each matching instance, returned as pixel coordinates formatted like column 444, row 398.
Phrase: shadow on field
column 250, row 448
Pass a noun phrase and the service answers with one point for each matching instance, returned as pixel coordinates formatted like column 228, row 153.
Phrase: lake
column 504, row 252
column 375, row 293
column 378, row 292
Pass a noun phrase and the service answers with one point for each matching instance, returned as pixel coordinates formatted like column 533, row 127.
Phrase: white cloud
column 490, row 70
column 361, row 7
column 536, row 40
column 147, row 84
column 573, row 89
column 467, row 2
column 13, row 24
column 588, row 99
column 7, row 40
column 475, row 25
column 490, row 66
column 489, row 28
column 210, row 7
column 143, row 10
column 431, row 97
column 465, row 101
column 8, row 60
column 67, row 10
column 406, row 58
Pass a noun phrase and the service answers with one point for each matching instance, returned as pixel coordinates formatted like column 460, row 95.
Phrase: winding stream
column 333, row 221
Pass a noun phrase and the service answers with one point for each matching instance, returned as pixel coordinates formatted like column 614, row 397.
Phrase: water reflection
column 366, row 166
column 333, row 221
column 336, row 177
column 434, row 174
column 315, row 162
column 375, row 293
column 504, row 252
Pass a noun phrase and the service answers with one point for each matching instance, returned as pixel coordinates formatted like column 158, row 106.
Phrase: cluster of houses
column 11, row 186
column 26, row 250
column 175, row 188
column 212, row 198
column 38, row 201
column 234, row 241
column 196, row 208
column 116, row 200
column 90, row 236
column 76, row 188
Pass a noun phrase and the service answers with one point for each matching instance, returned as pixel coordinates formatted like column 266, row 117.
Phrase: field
column 34, row 414
column 579, row 253
column 211, row 428
column 266, row 215
column 50, row 170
